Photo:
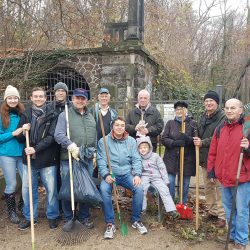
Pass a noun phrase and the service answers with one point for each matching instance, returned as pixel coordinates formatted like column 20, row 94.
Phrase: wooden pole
column 30, row 192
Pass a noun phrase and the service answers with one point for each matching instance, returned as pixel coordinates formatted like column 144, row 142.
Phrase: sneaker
column 88, row 223
column 140, row 227
column 25, row 225
column 52, row 224
column 174, row 215
column 110, row 230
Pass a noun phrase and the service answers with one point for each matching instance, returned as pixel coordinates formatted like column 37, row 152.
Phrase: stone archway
column 67, row 75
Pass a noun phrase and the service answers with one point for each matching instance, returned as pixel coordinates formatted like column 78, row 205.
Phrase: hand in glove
column 179, row 143
column 188, row 139
column 74, row 150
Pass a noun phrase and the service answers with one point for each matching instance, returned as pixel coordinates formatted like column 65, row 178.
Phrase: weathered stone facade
column 125, row 72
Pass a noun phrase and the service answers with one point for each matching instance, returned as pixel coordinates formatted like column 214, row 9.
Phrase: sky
column 239, row 5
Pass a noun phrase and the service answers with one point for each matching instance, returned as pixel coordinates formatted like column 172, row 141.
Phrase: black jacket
column 152, row 117
column 47, row 150
column 172, row 154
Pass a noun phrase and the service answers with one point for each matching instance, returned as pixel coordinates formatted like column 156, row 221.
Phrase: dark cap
column 212, row 95
column 103, row 90
column 180, row 104
column 81, row 92
column 61, row 85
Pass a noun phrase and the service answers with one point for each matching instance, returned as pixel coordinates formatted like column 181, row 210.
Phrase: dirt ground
column 158, row 237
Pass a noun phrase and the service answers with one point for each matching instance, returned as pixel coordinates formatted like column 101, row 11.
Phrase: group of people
column 131, row 145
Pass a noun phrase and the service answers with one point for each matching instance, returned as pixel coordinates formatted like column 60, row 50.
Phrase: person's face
column 210, row 105
column 119, row 128
column 143, row 100
column 143, row 148
column 60, row 95
column 12, row 101
column 79, row 102
column 233, row 110
column 104, row 99
column 179, row 111
column 38, row 98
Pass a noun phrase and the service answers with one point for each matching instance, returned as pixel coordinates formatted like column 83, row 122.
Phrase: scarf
column 37, row 114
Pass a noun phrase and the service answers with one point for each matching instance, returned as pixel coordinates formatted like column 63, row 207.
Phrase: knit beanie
column 61, row 85
column 212, row 95
column 11, row 91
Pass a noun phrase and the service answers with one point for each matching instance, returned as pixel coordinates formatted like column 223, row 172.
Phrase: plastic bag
column 85, row 190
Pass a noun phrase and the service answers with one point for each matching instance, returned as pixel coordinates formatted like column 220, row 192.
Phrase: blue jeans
column 186, row 181
column 83, row 212
column 106, row 192
column 48, row 178
column 9, row 165
column 239, row 230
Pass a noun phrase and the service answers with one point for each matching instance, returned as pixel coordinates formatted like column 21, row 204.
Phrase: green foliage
column 172, row 85
column 190, row 234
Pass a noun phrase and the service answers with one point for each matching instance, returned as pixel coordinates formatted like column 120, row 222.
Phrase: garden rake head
column 73, row 233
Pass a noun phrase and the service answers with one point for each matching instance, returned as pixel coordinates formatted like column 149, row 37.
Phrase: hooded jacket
column 224, row 155
column 124, row 157
column 153, row 165
column 47, row 150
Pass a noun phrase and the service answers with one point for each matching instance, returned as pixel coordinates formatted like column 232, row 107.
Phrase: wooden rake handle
column 109, row 164
column 30, row 191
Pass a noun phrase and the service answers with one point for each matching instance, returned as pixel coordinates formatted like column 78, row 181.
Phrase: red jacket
column 224, row 153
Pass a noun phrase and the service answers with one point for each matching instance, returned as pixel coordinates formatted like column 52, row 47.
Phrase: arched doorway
column 67, row 75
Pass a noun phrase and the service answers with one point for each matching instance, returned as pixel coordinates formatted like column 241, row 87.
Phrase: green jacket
column 82, row 129
column 206, row 129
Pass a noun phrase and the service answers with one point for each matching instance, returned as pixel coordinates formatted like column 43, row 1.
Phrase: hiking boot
column 223, row 239
column 220, row 223
column 52, row 223
column 238, row 246
column 140, row 227
column 110, row 230
column 88, row 223
column 174, row 215
column 25, row 225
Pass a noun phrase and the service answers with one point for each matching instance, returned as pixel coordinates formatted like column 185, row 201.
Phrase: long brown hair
column 5, row 113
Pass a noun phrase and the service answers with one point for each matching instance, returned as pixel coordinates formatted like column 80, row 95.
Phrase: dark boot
column 20, row 204
column 11, row 206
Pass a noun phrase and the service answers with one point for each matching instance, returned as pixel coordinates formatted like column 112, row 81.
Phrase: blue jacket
column 124, row 157
column 9, row 146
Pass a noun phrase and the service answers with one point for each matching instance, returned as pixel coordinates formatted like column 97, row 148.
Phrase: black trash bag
column 85, row 190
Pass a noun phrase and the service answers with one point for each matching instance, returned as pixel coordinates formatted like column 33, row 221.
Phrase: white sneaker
column 140, row 227
column 110, row 230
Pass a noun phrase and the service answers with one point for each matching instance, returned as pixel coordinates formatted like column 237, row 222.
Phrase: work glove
column 179, row 143
column 188, row 139
column 74, row 150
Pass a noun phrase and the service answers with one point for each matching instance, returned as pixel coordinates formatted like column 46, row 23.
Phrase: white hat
column 10, row 90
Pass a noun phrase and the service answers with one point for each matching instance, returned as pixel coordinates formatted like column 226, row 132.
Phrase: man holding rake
column 229, row 142
column 126, row 171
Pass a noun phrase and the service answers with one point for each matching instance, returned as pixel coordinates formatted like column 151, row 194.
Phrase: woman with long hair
column 10, row 148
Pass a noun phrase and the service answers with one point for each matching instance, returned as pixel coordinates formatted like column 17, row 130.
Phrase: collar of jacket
column 147, row 111
column 239, row 121
column 86, row 110
column 124, row 137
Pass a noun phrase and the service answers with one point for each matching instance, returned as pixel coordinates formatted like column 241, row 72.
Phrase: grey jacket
column 153, row 165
